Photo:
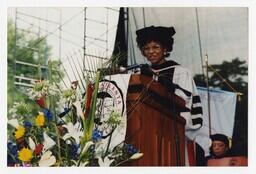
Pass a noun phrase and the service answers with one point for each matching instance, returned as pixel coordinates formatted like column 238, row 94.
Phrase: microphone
column 123, row 69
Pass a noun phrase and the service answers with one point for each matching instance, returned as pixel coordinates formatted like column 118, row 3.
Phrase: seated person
column 220, row 146
column 222, row 155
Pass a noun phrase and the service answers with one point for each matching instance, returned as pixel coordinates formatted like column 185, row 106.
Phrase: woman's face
column 219, row 148
column 154, row 52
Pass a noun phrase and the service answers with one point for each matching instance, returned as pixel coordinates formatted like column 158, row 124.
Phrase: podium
column 152, row 119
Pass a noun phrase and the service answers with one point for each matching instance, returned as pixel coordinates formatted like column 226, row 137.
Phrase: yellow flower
column 25, row 154
column 40, row 119
column 20, row 131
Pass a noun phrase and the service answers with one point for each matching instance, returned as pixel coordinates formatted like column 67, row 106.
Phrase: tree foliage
column 220, row 75
column 28, row 48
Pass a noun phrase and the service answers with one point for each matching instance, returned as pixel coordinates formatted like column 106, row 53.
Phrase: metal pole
column 126, row 24
column 40, row 61
column 14, row 56
column 126, row 19
column 60, row 34
column 84, row 48
column 46, row 71
column 208, row 94
column 199, row 39
column 107, row 34
column 144, row 19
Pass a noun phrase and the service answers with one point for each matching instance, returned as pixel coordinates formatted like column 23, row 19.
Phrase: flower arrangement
column 63, row 133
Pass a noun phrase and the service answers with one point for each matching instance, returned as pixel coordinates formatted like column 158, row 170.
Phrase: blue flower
column 48, row 114
column 10, row 160
column 73, row 151
column 96, row 135
column 130, row 149
column 27, row 124
column 12, row 148
column 12, row 156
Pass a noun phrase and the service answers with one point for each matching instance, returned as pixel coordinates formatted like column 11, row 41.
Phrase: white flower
column 42, row 88
column 106, row 162
column 48, row 142
column 31, row 144
column 136, row 156
column 13, row 111
column 68, row 96
column 78, row 107
column 100, row 148
column 14, row 123
column 47, row 159
column 74, row 131
column 68, row 142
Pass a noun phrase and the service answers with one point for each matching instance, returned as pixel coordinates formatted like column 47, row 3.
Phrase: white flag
column 222, row 113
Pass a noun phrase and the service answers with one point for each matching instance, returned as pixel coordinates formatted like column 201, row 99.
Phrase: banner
column 222, row 112
column 111, row 100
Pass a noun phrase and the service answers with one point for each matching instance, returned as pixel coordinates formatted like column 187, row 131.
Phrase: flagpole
column 206, row 62
column 208, row 94
column 199, row 40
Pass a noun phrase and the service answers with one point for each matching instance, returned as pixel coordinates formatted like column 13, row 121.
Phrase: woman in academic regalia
column 155, row 44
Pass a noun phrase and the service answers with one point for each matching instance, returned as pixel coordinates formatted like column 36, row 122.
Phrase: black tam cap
column 220, row 137
column 163, row 35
